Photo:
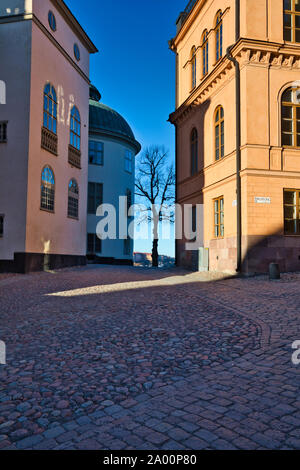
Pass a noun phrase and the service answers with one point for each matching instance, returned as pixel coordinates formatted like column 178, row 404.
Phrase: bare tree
column 155, row 182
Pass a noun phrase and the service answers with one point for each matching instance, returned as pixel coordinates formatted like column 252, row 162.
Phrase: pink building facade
column 44, row 152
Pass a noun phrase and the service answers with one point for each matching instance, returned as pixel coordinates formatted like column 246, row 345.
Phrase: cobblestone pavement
column 130, row 358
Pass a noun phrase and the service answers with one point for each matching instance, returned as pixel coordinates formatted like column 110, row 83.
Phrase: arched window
column 194, row 66
column 73, row 199
column 50, row 108
column 47, row 189
column 219, row 133
column 290, row 118
column 291, row 20
column 75, row 128
column 219, row 35
column 194, row 151
column 204, row 47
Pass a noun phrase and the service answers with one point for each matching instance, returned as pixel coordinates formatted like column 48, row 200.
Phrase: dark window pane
column 287, row 112
column 287, row 34
column 287, row 125
column 287, row 139
column 98, row 244
column 287, row 20
column 290, row 197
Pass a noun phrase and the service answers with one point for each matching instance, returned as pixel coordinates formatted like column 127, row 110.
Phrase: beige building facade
column 44, row 58
column 237, row 123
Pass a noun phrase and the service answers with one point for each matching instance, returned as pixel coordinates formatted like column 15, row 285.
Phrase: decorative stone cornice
column 247, row 52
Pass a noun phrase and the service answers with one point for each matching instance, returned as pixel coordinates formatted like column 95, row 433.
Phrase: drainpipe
column 238, row 136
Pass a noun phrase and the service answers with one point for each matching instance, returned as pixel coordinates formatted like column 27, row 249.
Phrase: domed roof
column 104, row 119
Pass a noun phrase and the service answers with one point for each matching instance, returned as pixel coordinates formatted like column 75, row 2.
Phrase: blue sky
column 134, row 69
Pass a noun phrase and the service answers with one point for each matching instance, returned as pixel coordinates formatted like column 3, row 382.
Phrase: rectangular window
column 95, row 197
column 94, row 244
column 3, row 132
column 291, row 199
column 219, row 217
column 96, row 153
column 1, row 226
column 128, row 161
column 291, row 21
column 127, row 246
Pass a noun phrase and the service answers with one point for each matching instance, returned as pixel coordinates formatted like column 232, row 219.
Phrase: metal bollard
column 274, row 272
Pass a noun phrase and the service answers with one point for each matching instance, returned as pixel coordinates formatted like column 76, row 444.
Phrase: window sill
column 291, row 235
column 47, row 210
column 3, row 141
column 290, row 147
column 72, row 218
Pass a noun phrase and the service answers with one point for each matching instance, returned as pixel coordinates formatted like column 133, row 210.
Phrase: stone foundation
column 30, row 262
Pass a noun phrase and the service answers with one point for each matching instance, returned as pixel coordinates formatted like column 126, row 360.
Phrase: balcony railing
column 189, row 6
column 74, row 157
column 49, row 141
column 183, row 16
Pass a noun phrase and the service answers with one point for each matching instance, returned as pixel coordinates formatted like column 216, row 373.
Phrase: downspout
column 238, row 136
column 176, row 160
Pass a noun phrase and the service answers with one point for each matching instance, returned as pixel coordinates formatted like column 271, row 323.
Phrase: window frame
column 52, row 21
column 204, row 50
column 76, row 51
column 75, row 128
column 51, row 97
column 2, row 217
column 219, row 149
column 96, row 152
column 50, row 193
column 127, row 246
column 95, row 197
column 297, row 206
column 293, row 13
column 128, row 201
column 73, row 196
column 193, row 67
column 219, row 213
column 96, row 240
column 194, row 152
column 3, row 132
column 294, row 119
column 219, row 35
column 128, row 161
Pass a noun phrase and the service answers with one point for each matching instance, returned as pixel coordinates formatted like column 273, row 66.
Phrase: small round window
column 76, row 52
column 52, row 21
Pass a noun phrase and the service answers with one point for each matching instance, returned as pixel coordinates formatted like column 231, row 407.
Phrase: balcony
column 74, row 157
column 49, row 141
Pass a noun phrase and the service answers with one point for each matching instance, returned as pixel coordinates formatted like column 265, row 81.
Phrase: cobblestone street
column 132, row 358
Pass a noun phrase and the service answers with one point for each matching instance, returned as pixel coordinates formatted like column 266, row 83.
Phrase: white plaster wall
column 47, row 232
column 15, row 51
column 115, row 182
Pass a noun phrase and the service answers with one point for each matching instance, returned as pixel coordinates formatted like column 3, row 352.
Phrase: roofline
column 65, row 11
column 106, row 133
column 181, row 31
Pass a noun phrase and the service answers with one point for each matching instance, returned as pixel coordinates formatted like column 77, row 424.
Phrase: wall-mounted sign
column 262, row 200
